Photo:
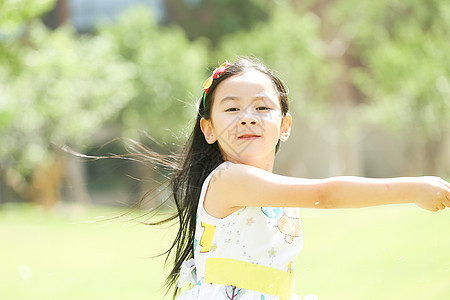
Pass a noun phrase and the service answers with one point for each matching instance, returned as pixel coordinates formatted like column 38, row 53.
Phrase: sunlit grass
column 395, row 252
column 74, row 255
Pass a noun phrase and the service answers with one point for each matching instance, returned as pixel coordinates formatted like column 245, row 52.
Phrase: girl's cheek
column 273, row 117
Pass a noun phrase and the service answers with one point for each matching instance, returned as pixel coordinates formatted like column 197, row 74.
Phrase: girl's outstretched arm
column 235, row 185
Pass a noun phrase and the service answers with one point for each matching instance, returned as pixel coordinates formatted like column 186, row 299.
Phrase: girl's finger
column 446, row 200
column 446, row 193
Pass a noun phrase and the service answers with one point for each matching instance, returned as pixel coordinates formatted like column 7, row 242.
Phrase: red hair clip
column 208, row 82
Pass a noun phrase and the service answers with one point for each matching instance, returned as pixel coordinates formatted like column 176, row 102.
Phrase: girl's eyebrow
column 264, row 96
column 229, row 98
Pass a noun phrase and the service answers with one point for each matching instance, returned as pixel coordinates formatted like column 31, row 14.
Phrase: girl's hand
column 433, row 193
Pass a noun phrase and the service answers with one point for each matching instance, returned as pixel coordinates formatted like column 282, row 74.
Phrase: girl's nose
column 248, row 118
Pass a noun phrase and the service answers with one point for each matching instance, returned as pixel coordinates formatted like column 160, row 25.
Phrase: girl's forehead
column 250, row 75
column 246, row 83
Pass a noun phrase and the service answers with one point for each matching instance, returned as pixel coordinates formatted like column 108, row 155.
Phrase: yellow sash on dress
column 249, row 276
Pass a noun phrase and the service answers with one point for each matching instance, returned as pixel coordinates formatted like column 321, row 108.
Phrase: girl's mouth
column 248, row 136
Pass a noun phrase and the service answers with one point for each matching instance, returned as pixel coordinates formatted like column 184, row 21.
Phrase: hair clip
column 216, row 74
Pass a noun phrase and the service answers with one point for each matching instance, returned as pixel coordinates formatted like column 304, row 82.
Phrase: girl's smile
column 248, row 137
column 246, row 119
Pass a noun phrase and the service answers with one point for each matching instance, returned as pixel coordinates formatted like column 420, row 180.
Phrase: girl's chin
column 248, row 153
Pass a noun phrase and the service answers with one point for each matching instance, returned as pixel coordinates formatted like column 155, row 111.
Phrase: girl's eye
column 263, row 108
column 232, row 109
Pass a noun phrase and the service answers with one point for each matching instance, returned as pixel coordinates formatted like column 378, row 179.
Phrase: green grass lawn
column 394, row 252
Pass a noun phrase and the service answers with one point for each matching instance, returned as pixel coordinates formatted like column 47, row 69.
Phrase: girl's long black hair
column 195, row 162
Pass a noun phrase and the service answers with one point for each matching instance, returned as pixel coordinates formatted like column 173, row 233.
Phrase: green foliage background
column 133, row 75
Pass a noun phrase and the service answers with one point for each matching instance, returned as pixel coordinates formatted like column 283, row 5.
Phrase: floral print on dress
column 286, row 219
column 273, row 213
column 233, row 293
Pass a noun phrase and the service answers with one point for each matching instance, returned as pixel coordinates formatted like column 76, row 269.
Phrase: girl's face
column 246, row 119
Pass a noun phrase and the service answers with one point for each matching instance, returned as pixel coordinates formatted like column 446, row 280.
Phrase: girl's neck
column 264, row 164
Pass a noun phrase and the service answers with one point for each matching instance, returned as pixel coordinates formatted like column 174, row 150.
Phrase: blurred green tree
column 66, row 88
column 169, row 70
column 389, row 56
column 63, row 88
column 14, row 24
column 289, row 42
column 404, row 70
column 83, row 90
column 214, row 19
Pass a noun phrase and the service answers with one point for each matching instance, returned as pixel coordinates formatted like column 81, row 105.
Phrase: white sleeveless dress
column 269, row 238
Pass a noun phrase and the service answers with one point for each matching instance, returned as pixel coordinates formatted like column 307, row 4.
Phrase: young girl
column 240, row 229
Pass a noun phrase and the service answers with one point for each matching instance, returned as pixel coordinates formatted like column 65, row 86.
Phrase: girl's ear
column 285, row 127
column 208, row 131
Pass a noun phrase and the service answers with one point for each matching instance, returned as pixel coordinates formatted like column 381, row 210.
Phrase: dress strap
column 206, row 184
column 204, row 189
